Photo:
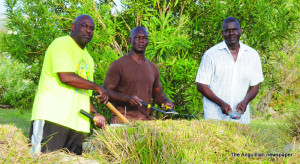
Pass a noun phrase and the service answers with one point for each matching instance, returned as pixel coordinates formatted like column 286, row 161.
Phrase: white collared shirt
column 228, row 79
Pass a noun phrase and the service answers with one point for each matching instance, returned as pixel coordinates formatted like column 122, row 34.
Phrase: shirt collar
column 75, row 44
column 223, row 45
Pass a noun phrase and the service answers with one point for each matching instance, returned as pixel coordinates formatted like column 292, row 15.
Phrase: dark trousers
column 57, row 137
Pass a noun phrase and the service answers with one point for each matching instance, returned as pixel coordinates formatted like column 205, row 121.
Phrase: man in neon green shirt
column 65, row 87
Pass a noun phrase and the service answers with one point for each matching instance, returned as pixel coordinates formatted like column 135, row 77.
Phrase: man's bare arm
column 251, row 94
column 161, row 98
column 120, row 98
column 207, row 92
column 72, row 79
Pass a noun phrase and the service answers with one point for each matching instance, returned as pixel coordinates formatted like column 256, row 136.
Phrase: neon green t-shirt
column 58, row 102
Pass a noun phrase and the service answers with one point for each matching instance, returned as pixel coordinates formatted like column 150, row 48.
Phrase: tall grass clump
column 16, row 89
column 14, row 148
column 182, row 142
column 291, row 125
column 13, row 144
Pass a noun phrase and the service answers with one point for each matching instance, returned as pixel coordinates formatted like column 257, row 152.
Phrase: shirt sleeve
column 156, row 83
column 205, row 71
column 113, row 75
column 61, row 57
column 257, row 73
column 161, row 98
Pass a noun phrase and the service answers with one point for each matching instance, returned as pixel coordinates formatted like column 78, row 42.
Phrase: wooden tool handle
column 113, row 109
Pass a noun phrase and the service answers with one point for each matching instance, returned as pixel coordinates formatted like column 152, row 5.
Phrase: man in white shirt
column 229, row 76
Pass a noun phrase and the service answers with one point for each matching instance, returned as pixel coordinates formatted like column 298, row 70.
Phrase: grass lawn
column 20, row 118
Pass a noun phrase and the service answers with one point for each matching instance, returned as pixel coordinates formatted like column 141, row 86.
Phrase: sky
column 118, row 3
column 2, row 8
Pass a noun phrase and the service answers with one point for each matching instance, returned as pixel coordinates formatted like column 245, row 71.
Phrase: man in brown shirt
column 133, row 78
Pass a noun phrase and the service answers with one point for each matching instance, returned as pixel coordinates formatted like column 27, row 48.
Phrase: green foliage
column 16, row 89
column 179, row 32
column 178, row 76
column 280, row 90
column 263, row 22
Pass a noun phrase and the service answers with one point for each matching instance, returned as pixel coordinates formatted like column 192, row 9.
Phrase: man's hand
column 167, row 105
column 242, row 106
column 134, row 101
column 99, row 120
column 225, row 108
column 102, row 97
column 207, row 92
column 252, row 92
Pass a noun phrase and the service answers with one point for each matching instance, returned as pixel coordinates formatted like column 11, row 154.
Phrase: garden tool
column 153, row 108
column 170, row 111
column 113, row 109
column 88, row 115
column 175, row 113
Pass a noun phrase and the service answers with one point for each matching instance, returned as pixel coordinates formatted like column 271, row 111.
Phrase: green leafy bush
column 280, row 90
column 16, row 90
column 179, row 32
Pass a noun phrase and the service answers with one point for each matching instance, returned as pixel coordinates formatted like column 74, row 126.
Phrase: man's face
column 139, row 42
column 83, row 31
column 231, row 33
